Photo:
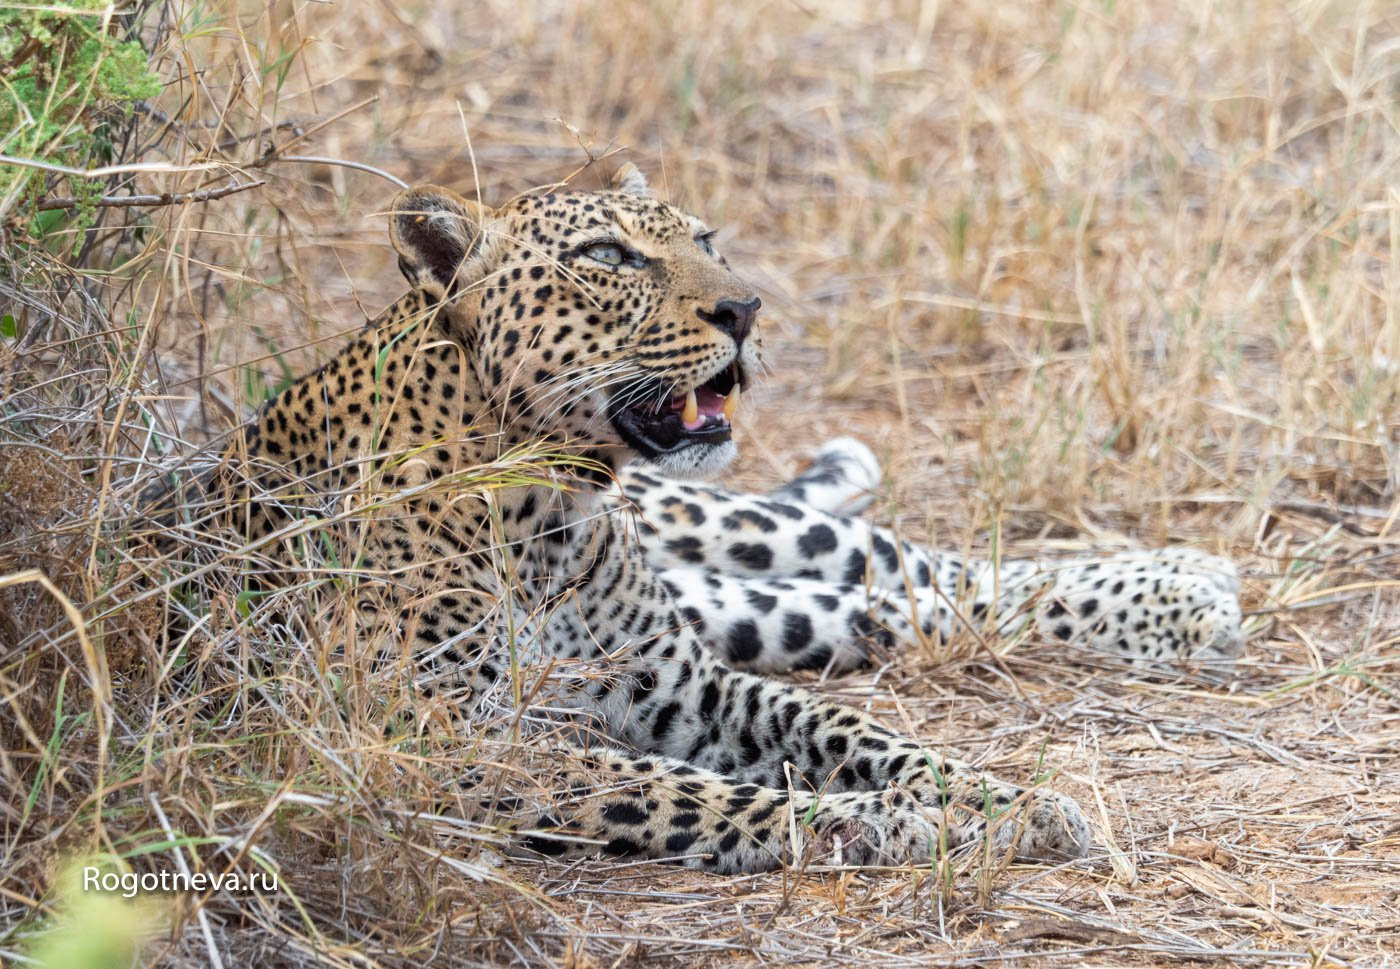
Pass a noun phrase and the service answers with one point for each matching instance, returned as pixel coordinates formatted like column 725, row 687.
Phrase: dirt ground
column 1084, row 275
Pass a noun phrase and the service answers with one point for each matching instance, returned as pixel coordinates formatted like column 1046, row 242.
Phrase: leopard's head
column 604, row 319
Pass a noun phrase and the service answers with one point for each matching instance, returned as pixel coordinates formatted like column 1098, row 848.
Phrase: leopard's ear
column 439, row 237
column 629, row 179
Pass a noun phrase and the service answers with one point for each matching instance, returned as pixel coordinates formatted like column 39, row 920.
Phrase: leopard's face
column 608, row 320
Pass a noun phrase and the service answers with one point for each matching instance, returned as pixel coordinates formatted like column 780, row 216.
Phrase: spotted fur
column 523, row 333
column 792, row 580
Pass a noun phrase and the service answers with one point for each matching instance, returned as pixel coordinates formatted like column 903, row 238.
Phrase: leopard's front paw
column 1051, row 827
column 1168, row 606
column 864, row 828
column 1041, row 825
column 891, row 828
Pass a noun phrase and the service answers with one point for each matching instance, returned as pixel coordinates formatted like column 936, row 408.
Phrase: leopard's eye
column 608, row 253
column 703, row 241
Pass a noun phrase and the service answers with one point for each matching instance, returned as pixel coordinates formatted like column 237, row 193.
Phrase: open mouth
column 701, row 415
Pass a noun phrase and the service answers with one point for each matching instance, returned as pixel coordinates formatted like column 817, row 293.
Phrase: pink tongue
column 711, row 404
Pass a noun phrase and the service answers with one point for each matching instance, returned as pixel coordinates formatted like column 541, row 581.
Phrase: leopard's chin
column 698, row 462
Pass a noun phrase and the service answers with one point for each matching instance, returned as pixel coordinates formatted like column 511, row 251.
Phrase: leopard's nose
column 733, row 316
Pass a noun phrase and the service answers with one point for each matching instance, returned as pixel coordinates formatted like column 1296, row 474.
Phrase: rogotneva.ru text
column 131, row 883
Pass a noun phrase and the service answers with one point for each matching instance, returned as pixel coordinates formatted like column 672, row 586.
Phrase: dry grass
column 1083, row 272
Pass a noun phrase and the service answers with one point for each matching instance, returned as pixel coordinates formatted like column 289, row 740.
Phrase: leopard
column 597, row 343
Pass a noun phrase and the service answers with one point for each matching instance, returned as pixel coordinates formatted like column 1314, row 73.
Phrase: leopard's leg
column 734, row 772
column 675, row 699
column 1147, row 607
column 659, row 807
column 661, row 803
column 781, row 624
column 1189, row 618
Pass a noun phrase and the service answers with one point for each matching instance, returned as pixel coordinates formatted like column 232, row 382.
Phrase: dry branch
column 150, row 201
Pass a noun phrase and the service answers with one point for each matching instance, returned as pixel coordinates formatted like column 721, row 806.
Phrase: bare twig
column 344, row 163
column 153, row 168
column 150, row 201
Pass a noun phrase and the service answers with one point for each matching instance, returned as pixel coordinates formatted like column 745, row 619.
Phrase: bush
column 73, row 76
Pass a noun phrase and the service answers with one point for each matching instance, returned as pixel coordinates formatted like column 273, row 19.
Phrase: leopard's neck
column 402, row 410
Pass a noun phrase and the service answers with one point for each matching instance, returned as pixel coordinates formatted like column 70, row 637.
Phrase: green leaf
column 243, row 603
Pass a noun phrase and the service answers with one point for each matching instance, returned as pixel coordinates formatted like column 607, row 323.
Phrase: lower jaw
column 694, row 463
column 650, row 450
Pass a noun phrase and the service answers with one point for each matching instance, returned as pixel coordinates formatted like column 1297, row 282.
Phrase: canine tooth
column 731, row 403
column 691, row 414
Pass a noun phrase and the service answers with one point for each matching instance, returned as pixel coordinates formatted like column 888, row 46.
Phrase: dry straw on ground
column 1084, row 273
